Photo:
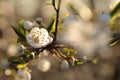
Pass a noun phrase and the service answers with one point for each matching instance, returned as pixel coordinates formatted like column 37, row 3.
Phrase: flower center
column 35, row 37
column 36, row 40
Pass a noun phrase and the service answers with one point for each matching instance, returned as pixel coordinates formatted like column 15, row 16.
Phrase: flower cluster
column 37, row 37
column 36, row 46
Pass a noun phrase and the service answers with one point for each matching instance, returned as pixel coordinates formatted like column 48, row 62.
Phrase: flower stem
column 57, row 20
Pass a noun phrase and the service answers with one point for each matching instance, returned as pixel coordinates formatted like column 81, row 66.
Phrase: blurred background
column 12, row 11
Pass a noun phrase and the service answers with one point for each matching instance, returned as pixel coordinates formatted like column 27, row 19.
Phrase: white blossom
column 38, row 37
column 12, row 50
column 85, row 37
column 23, row 75
column 43, row 65
column 64, row 65
column 27, row 25
column 8, row 72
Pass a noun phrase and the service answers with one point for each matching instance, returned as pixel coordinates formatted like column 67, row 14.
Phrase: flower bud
column 23, row 75
column 27, row 25
column 21, row 48
column 44, row 53
column 64, row 65
column 43, row 65
column 37, row 22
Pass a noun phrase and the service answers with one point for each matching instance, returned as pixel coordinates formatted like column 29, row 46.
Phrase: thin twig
column 59, row 54
column 57, row 21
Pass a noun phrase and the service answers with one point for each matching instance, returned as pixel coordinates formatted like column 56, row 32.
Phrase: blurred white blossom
column 12, row 50
column 23, row 75
column 85, row 36
column 43, row 65
column 8, row 72
column 64, row 65
column 27, row 8
column 104, row 6
column 4, row 63
column 83, row 10
column 38, row 37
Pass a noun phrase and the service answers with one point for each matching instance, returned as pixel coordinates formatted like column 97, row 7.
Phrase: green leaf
column 51, row 26
column 113, row 42
column 20, row 26
column 17, row 31
column 115, row 10
column 69, row 51
column 21, row 66
column 95, row 61
column 115, row 20
column 43, row 26
column 24, row 58
column 78, row 62
column 21, row 40
column 16, row 60
column 48, row 3
column 27, row 56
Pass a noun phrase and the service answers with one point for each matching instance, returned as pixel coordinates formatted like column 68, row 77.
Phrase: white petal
column 39, row 34
column 44, row 31
column 22, row 74
column 35, row 29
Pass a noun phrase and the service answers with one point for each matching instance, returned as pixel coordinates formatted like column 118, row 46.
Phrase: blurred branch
column 57, row 19
column 92, row 4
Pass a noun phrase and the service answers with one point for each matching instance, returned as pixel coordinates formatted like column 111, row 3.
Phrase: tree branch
column 57, row 20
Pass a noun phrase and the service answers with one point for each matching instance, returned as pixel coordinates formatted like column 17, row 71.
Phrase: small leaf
column 16, row 60
column 51, row 26
column 27, row 56
column 43, row 26
column 49, row 3
column 114, row 41
column 80, row 62
column 20, row 26
column 115, row 10
column 21, row 40
column 17, row 31
column 95, row 61
column 20, row 66
column 24, row 58
column 69, row 51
